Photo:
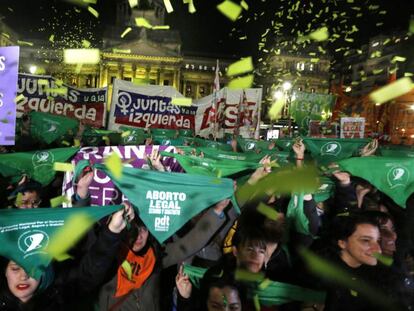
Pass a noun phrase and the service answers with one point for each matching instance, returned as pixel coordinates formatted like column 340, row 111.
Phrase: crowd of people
column 221, row 260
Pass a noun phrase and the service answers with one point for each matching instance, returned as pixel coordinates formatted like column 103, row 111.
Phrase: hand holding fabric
column 120, row 218
column 184, row 286
column 370, row 148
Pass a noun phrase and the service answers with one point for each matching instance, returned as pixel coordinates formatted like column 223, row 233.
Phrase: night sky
column 209, row 32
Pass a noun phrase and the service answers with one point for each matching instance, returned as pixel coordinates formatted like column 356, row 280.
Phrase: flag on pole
column 216, row 88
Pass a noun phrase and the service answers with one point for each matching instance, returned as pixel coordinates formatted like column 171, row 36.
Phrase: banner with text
column 9, row 65
column 352, row 127
column 310, row 106
column 148, row 106
column 228, row 116
column 47, row 94
column 102, row 188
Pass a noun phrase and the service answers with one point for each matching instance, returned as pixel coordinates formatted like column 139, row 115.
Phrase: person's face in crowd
column 358, row 249
column 141, row 239
column 30, row 199
column 388, row 238
column 20, row 284
column 223, row 299
column 251, row 256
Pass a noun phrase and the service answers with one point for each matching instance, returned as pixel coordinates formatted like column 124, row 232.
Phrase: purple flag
column 9, row 65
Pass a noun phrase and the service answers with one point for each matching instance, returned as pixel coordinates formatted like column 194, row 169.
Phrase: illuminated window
column 300, row 66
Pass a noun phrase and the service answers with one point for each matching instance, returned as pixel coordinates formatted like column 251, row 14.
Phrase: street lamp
column 32, row 69
column 287, row 86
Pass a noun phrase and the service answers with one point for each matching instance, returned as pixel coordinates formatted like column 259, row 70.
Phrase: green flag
column 166, row 201
column 210, row 167
column 310, row 106
column 37, row 165
column 49, row 128
column 212, row 144
column 26, row 234
column 393, row 176
column 269, row 292
column 327, row 150
column 325, row 190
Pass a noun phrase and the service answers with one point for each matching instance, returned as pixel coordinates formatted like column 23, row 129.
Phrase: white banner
column 352, row 127
column 227, row 112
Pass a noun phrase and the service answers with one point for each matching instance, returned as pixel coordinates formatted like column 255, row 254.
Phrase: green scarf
column 328, row 150
column 273, row 293
column 164, row 132
column 325, row 191
column 396, row 151
column 253, row 144
column 210, row 167
column 295, row 215
column 393, row 176
column 284, row 143
column 26, row 233
column 166, row 141
column 37, row 165
column 166, row 201
column 48, row 128
column 186, row 133
column 212, row 144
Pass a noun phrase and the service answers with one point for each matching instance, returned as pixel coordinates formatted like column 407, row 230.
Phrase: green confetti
column 319, row 35
column 391, row 91
column 385, row 260
column 244, row 5
column 133, row 3
column 276, row 109
column 168, row 6
column 247, row 276
column 354, row 293
column 58, row 201
column 86, row 44
column 160, row 27
column 127, row 268
column 126, row 31
column 81, row 56
column 268, row 211
column 63, row 167
column 52, row 38
column 411, row 26
column 241, row 82
column 114, row 164
column 93, row 11
column 256, row 302
column 19, row 42
column 398, row 59
column 181, row 101
column 242, row 66
column 230, row 9
column 142, row 22
column 265, row 284
column 67, row 236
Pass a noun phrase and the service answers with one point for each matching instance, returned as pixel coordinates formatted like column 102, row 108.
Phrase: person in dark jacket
column 64, row 285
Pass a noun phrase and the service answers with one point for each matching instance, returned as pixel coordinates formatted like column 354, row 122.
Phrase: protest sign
column 352, row 127
column 102, row 188
column 47, row 94
column 228, row 118
column 148, row 106
column 9, row 65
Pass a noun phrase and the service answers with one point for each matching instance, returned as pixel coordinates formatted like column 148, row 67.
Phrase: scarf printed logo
column 42, row 157
column 332, row 148
column 249, row 146
column 162, row 223
column 398, row 176
column 30, row 242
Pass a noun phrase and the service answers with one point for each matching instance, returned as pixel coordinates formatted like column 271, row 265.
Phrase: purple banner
column 102, row 190
column 9, row 65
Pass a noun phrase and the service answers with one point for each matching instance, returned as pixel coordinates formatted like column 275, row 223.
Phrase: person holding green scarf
column 63, row 285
